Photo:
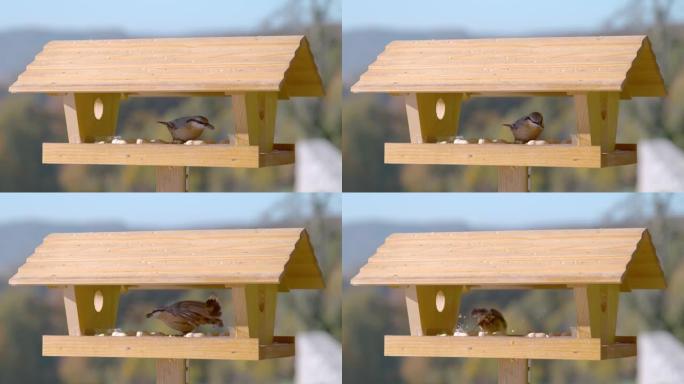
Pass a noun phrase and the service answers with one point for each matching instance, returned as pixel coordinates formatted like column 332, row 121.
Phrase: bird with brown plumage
column 185, row 316
column 490, row 320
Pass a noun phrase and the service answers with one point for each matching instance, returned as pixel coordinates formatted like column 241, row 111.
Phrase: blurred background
column 368, row 313
column 369, row 120
column 26, row 313
column 28, row 120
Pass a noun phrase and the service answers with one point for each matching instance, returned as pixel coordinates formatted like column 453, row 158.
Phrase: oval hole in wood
column 440, row 108
column 98, row 301
column 98, row 108
column 440, row 301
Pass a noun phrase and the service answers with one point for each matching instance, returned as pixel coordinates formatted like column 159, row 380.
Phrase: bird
column 185, row 316
column 527, row 127
column 490, row 321
column 187, row 128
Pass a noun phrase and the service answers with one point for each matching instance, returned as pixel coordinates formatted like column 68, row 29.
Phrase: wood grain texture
column 624, row 64
column 171, row 155
column 425, row 318
column 82, row 316
column 172, row 179
column 515, row 155
column 254, row 308
column 202, row 257
column 510, row 258
column 507, row 347
column 513, row 371
column 172, row 371
column 160, row 347
column 514, row 179
column 596, row 308
column 174, row 65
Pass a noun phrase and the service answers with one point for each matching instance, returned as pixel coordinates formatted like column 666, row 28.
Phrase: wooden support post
column 254, row 308
column 596, row 307
column 172, row 179
column 172, row 371
column 432, row 309
column 433, row 116
column 513, row 371
column 254, row 115
column 597, row 115
column 90, row 309
column 513, row 179
column 90, row 116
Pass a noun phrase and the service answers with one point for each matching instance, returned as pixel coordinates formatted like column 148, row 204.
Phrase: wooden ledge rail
column 205, row 155
column 164, row 347
column 518, row 155
column 510, row 347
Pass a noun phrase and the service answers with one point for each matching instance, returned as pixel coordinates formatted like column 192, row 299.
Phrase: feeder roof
column 517, row 258
column 204, row 257
column 175, row 65
column 566, row 65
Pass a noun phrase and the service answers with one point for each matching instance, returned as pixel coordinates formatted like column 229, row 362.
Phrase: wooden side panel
column 90, row 308
column 597, row 115
column 254, row 309
column 254, row 114
column 91, row 116
column 433, row 117
column 513, row 371
column 596, row 308
column 432, row 310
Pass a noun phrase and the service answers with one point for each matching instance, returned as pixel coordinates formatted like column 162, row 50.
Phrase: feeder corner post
column 90, row 308
column 597, row 115
column 432, row 116
column 90, row 116
column 254, row 115
column 254, row 309
column 432, row 309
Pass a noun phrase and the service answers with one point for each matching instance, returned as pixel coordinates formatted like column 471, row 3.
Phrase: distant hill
column 19, row 239
column 19, row 46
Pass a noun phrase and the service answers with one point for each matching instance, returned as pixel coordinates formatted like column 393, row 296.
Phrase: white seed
column 139, row 141
column 459, row 333
column 442, row 142
column 482, row 333
column 118, row 141
column 460, row 141
column 118, row 333
column 539, row 142
column 139, row 333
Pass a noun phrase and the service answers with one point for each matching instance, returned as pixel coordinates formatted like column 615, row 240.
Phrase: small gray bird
column 185, row 316
column 528, row 127
column 187, row 128
column 490, row 321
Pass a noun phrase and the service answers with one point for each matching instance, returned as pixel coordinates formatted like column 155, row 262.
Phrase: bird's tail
column 214, row 307
column 153, row 312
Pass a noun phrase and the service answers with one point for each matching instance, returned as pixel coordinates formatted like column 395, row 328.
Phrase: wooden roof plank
column 561, row 64
column 206, row 257
column 215, row 64
column 623, row 256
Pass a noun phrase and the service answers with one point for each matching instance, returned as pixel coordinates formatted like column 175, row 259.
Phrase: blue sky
column 142, row 16
column 486, row 16
column 147, row 209
column 488, row 209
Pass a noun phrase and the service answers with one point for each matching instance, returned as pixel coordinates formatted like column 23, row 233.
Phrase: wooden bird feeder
column 94, row 269
column 435, row 269
column 436, row 77
column 93, row 76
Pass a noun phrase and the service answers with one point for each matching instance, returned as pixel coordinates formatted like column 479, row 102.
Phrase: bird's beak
column 164, row 122
column 210, row 126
